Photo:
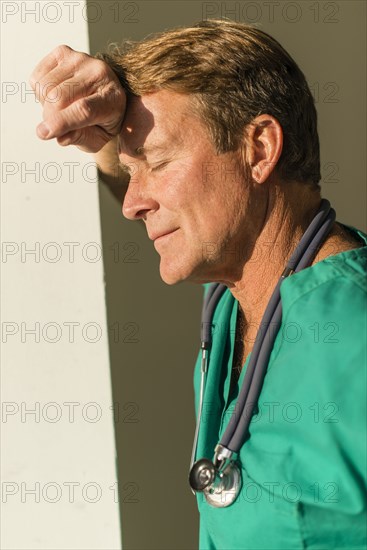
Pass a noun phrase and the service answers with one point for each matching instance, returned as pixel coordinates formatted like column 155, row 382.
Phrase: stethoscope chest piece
column 220, row 486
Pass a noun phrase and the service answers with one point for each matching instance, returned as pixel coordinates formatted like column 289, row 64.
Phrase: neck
column 285, row 216
column 287, row 213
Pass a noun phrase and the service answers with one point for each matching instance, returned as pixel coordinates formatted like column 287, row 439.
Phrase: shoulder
column 324, row 322
column 328, row 284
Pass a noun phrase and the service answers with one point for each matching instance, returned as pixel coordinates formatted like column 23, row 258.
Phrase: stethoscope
column 220, row 479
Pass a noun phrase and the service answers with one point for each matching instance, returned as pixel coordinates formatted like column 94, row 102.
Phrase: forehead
column 155, row 120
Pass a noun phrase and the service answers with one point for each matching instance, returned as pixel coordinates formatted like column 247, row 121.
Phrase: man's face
column 191, row 199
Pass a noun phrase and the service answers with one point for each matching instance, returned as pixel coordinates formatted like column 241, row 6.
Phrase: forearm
column 111, row 171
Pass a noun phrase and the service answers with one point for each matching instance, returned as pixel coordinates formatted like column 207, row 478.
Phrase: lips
column 155, row 235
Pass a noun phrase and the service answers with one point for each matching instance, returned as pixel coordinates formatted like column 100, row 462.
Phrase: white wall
column 67, row 445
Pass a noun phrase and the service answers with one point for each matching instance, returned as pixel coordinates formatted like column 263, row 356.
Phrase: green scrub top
column 304, row 465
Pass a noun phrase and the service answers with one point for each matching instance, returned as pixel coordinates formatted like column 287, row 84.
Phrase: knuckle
column 62, row 51
column 98, row 71
column 101, row 68
column 115, row 96
column 84, row 109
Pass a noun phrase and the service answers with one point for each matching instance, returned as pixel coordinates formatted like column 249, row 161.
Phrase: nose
column 138, row 201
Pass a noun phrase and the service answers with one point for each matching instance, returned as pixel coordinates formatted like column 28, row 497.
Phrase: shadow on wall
column 154, row 336
column 154, row 341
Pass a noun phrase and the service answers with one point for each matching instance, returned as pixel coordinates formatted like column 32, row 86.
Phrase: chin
column 174, row 273
column 171, row 277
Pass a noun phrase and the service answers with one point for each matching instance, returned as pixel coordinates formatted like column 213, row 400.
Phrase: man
column 218, row 133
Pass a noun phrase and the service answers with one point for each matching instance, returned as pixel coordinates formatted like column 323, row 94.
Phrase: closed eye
column 158, row 167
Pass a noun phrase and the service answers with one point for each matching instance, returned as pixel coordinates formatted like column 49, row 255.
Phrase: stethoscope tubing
column 236, row 432
column 210, row 303
column 211, row 300
column 237, row 429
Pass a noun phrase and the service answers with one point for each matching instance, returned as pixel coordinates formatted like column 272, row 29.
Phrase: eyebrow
column 140, row 151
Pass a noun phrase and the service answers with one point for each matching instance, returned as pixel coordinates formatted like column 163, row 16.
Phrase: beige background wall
column 152, row 369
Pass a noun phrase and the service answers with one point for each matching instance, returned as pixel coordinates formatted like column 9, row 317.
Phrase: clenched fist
column 82, row 98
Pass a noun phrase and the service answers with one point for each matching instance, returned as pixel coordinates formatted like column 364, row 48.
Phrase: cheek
column 202, row 202
column 180, row 188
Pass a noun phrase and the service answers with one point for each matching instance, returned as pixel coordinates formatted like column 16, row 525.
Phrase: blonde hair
column 234, row 73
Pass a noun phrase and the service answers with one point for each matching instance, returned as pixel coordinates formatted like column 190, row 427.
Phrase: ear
column 264, row 143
